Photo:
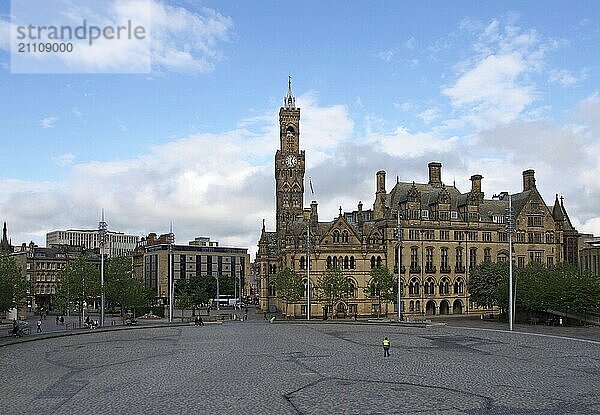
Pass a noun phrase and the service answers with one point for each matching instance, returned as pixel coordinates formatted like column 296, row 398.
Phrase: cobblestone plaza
column 298, row 368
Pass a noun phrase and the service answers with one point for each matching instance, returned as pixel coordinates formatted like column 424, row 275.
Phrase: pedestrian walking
column 62, row 320
column 200, row 321
column 39, row 325
column 386, row 347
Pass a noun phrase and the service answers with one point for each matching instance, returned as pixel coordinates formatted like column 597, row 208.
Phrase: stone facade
column 444, row 234
column 117, row 243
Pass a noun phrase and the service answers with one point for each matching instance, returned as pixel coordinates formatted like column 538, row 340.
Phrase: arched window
column 444, row 286
column 459, row 286
column 336, row 236
column 335, row 262
column 429, row 286
column 329, row 262
column 346, row 262
column 372, row 262
column 352, row 263
column 345, row 236
column 413, row 287
column 411, row 306
column 378, row 262
column 417, row 305
column 272, row 290
column 352, row 290
column 304, row 288
column 302, row 262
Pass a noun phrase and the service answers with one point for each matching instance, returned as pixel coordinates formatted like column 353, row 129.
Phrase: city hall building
column 445, row 233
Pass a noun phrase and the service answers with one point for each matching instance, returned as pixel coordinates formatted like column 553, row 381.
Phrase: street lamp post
column 170, row 274
column 308, row 271
column 102, row 228
column 510, row 228
column 218, row 298
column 399, row 231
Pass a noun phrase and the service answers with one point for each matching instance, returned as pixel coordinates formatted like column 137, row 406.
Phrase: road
column 261, row 368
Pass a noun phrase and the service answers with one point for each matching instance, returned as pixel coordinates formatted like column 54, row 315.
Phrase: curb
column 8, row 341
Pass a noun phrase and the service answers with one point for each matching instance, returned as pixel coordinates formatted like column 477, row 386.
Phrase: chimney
column 435, row 173
column 476, row 183
column 379, row 206
column 528, row 180
column 314, row 216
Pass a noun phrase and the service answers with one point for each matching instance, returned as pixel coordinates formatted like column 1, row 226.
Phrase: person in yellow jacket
column 386, row 347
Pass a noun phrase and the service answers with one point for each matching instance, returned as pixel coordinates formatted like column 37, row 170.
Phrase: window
column 521, row 237
column 486, row 236
column 272, row 290
column 444, row 262
column 487, row 255
column 549, row 262
column 444, row 286
column 414, row 258
column 521, row 262
column 454, row 215
column 346, row 262
column 549, row 237
column 329, row 263
column 459, row 258
column 302, row 262
column 444, row 215
column 352, row 290
column 535, row 221
column 458, row 235
column 429, row 286
column 459, row 286
column 472, row 258
column 535, row 256
column 425, row 214
column 411, row 306
column 413, row 287
column 502, row 237
column 372, row 262
column 429, row 259
column 445, row 235
column 413, row 234
column 429, row 235
column 336, row 236
column 417, row 305
column 345, row 236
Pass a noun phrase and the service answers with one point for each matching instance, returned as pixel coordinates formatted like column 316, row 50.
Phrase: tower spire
column 289, row 102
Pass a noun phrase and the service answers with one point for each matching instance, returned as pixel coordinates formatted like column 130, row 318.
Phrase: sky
column 484, row 87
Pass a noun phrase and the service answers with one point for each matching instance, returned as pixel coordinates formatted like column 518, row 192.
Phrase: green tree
column 118, row 273
column 198, row 290
column 383, row 286
column 79, row 282
column 13, row 285
column 486, row 283
column 289, row 286
column 332, row 287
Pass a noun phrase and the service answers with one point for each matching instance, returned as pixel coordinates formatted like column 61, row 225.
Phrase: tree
column 118, row 273
column 13, row 285
column 289, row 286
column 486, row 281
column 332, row 287
column 196, row 291
column 384, row 286
column 79, row 281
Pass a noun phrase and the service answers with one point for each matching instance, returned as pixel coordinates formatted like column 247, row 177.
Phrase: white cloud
column 175, row 39
column 429, row 115
column 63, row 159
column 562, row 77
column 387, row 55
column 410, row 43
column 48, row 122
column 494, row 85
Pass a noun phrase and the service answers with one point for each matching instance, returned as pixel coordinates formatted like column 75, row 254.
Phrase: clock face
column 291, row 160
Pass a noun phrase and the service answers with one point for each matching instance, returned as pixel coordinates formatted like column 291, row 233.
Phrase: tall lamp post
column 399, row 232
column 102, row 228
column 308, row 271
column 170, row 274
column 510, row 228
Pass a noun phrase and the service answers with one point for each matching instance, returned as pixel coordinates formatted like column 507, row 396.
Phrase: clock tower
column 289, row 164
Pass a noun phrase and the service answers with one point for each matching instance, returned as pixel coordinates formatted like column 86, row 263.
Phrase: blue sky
column 484, row 87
